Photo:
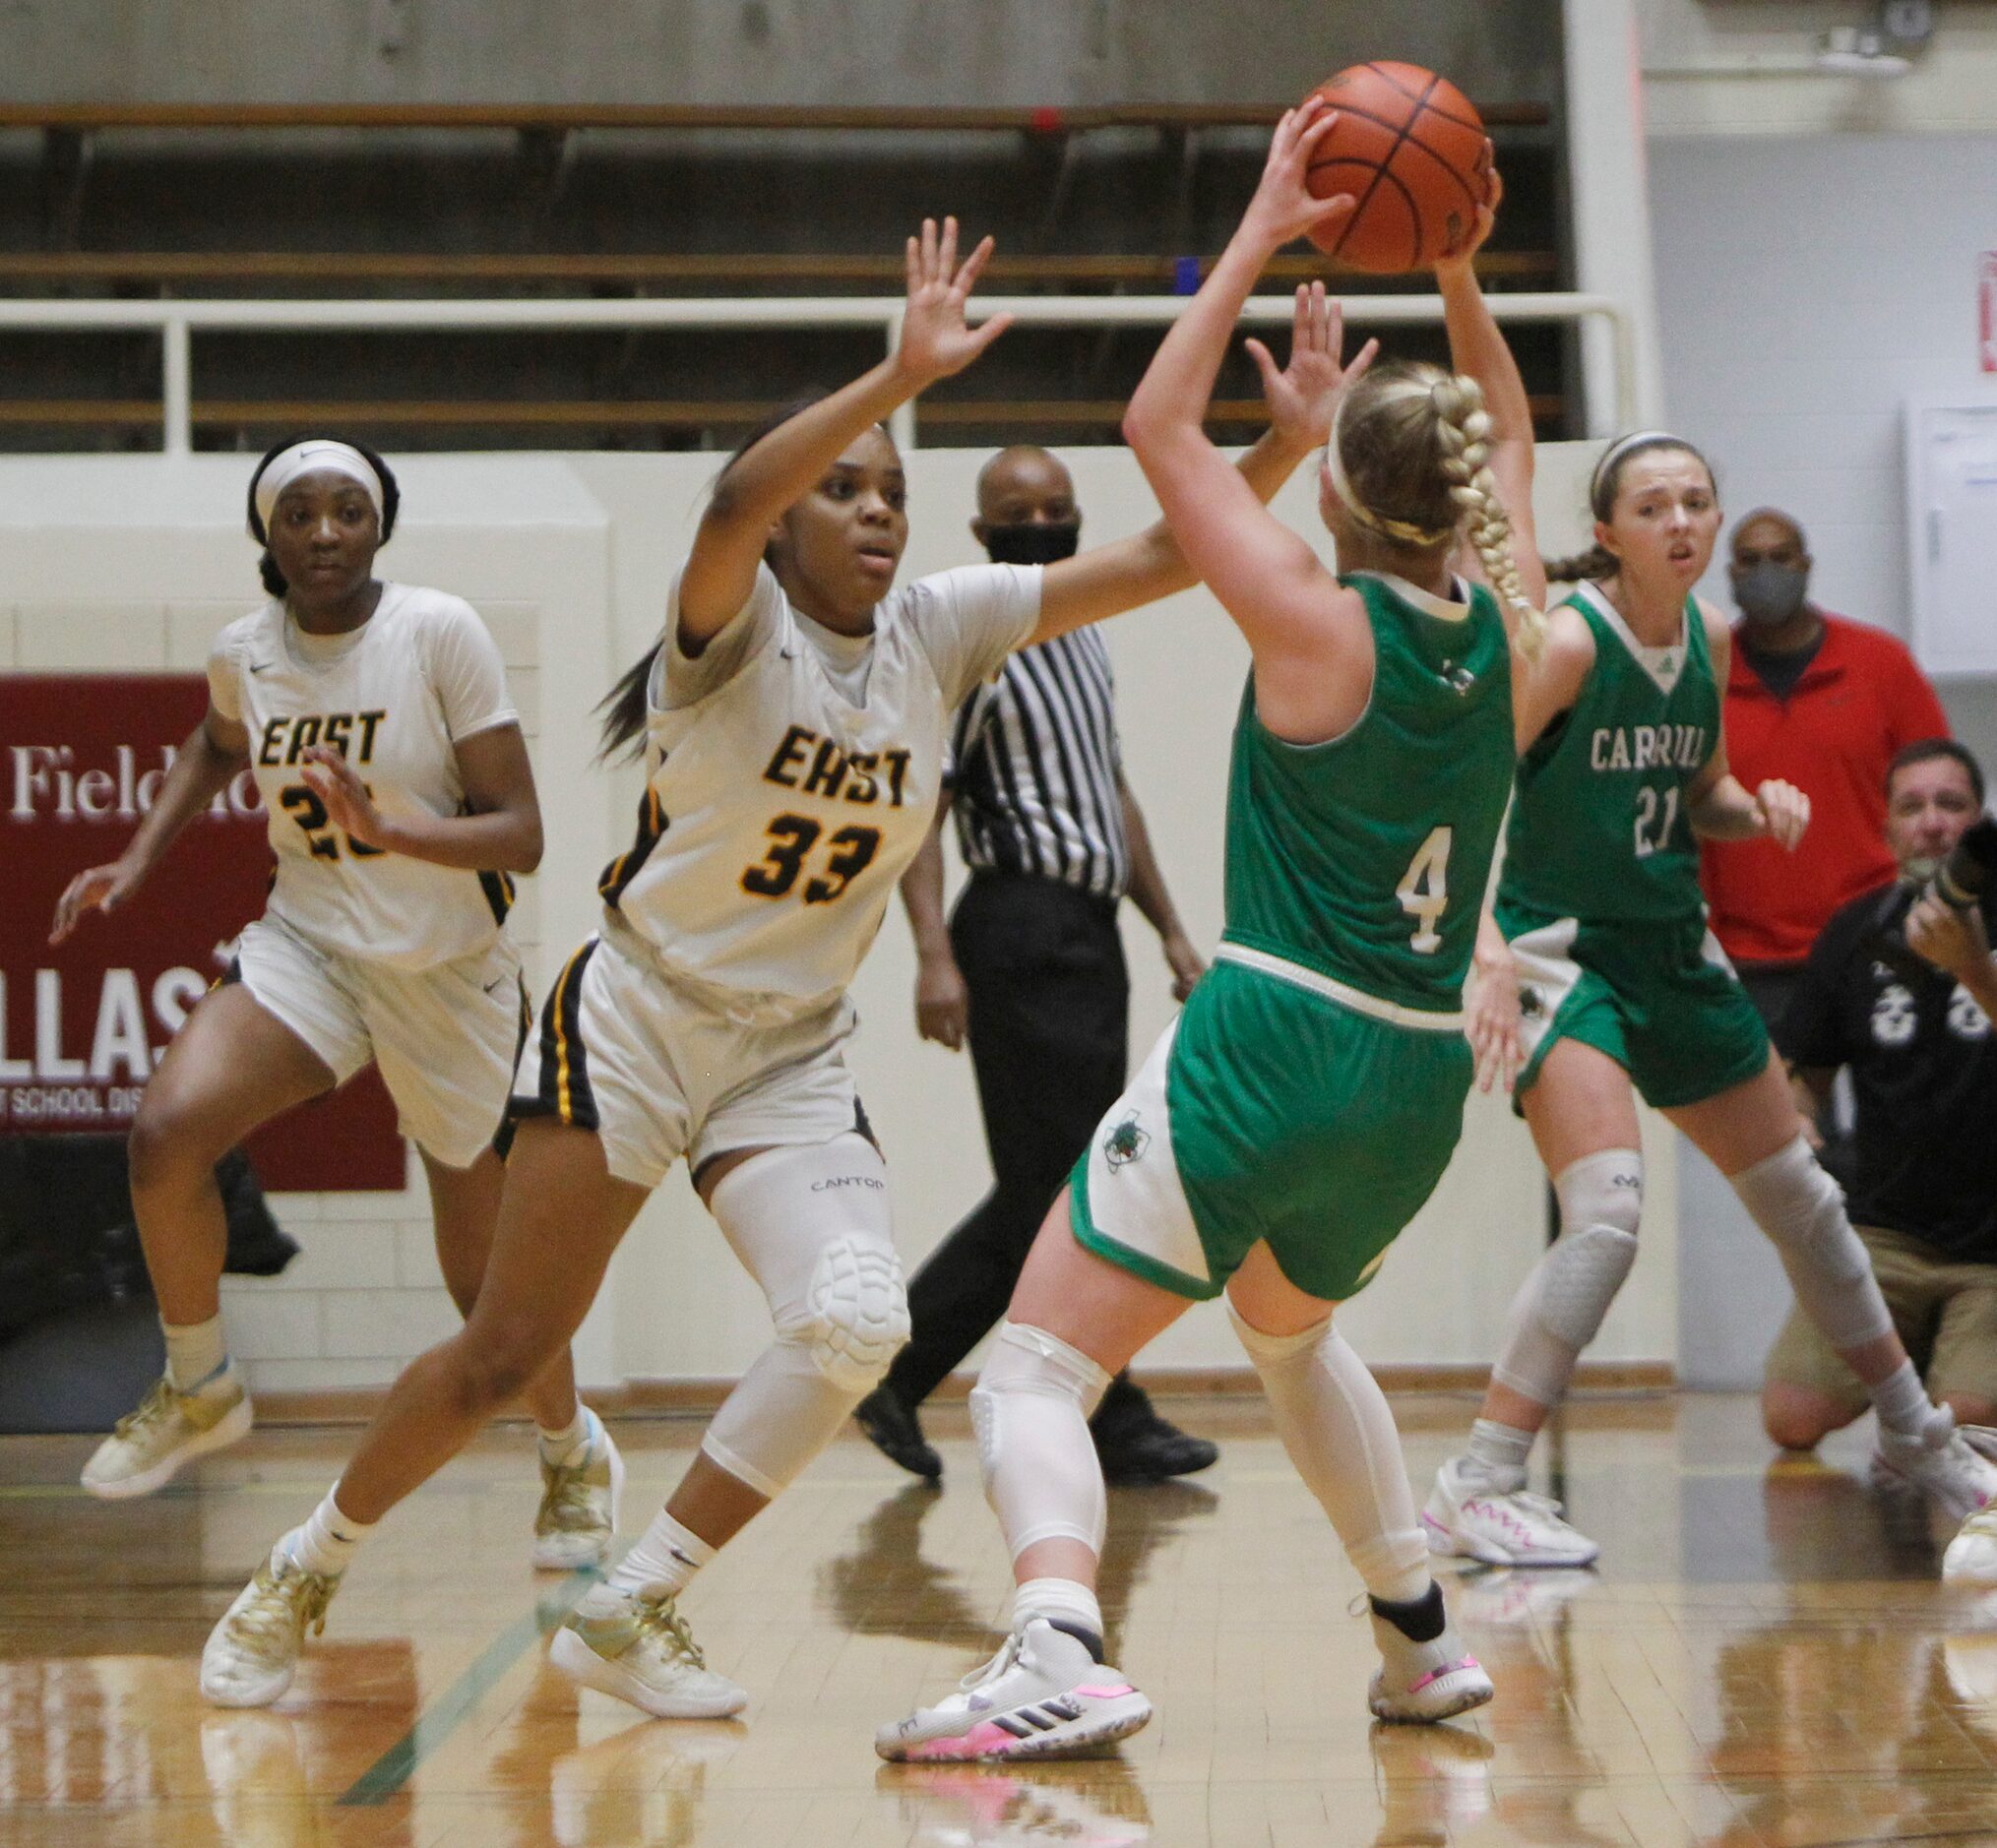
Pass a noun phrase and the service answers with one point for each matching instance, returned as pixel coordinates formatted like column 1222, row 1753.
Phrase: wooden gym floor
column 1763, row 1657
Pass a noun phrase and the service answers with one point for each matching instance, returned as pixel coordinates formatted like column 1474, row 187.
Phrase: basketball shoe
column 169, row 1429
column 1467, row 1515
column 640, row 1649
column 1043, row 1695
column 252, row 1654
column 1423, row 1682
column 1956, row 1473
column 577, row 1515
column 1971, row 1558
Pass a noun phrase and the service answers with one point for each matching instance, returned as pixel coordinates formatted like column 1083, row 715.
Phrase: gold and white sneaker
column 168, row 1429
column 253, row 1652
column 578, row 1516
column 640, row 1649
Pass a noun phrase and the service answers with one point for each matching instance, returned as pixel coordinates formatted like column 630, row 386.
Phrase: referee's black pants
column 1049, row 1041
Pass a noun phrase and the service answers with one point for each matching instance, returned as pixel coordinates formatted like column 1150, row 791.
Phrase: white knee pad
column 1030, row 1410
column 1560, row 1307
column 813, row 1227
column 1803, row 1210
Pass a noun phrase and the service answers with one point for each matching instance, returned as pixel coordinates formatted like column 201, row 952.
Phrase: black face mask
column 1031, row 543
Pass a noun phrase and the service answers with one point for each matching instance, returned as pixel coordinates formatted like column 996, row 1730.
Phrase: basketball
column 1409, row 146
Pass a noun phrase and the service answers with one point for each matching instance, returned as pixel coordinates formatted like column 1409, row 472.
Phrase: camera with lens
column 1962, row 882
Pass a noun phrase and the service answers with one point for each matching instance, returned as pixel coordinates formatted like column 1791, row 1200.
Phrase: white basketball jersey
column 794, row 774
column 395, row 696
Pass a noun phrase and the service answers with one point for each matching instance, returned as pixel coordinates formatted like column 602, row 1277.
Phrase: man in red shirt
column 1825, row 703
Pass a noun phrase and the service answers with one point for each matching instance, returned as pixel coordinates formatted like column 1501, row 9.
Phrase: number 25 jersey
column 395, row 696
column 1599, row 827
column 793, row 773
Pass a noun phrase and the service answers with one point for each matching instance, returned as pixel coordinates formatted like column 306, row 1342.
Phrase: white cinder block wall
column 568, row 558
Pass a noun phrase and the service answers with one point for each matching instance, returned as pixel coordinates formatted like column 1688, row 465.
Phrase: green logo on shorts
column 1126, row 1142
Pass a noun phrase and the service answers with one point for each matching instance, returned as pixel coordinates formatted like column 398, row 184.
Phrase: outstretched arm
column 1149, row 565
column 770, row 476
column 1477, row 348
column 1268, row 578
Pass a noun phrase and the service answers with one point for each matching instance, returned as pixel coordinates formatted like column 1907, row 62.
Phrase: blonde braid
column 1462, row 438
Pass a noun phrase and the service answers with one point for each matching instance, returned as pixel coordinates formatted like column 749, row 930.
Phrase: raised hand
column 936, row 340
column 1481, row 228
column 1282, row 209
column 98, row 888
column 349, row 804
column 1303, row 397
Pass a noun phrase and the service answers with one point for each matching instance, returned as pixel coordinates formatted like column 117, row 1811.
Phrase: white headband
column 1403, row 532
column 1622, row 446
column 307, row 458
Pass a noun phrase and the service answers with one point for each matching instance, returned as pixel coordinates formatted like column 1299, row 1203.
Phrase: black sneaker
column 1135, row 1444
column 898, row 1435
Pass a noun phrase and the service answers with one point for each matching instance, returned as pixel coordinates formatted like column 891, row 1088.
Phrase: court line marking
column 387, row 1775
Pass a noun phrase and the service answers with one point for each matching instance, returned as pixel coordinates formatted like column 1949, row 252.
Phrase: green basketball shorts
column 1658, row 997
column 1280, row 1107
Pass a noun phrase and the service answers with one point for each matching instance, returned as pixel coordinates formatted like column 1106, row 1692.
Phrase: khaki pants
column 1946, row 1312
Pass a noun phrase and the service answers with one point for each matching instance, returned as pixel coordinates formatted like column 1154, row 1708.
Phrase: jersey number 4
column 792, row 838
column 1423, row 891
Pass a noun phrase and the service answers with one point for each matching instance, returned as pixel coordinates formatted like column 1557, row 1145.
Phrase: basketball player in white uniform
column 793, row 722
column 376, row 722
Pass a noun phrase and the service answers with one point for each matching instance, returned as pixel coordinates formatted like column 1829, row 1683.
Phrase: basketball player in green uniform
column 1307, row 1102
column 1599, row 978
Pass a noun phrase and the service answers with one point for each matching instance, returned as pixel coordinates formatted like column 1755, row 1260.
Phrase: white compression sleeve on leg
column 1803, row 1210
column 813, row 1227
column 1559, row 1309
column 1334, row 1423
column 1031, row 1409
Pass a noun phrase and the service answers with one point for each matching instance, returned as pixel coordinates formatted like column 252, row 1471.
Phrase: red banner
column 84, row 1023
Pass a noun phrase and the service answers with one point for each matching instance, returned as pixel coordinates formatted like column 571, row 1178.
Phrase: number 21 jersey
column 1599, row 827
column 396, row 696
column 793, row 772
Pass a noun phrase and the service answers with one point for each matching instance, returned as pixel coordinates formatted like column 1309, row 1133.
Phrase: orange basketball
column 1410, row 148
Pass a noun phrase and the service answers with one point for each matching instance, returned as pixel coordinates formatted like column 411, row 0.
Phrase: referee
column 1030, row 966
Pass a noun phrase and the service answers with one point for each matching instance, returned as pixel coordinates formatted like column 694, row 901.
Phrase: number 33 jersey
column 396, row 696
column 793, row 773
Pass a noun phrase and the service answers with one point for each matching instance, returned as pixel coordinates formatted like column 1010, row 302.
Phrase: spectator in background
column 1923, row 1065
column 1824, row 702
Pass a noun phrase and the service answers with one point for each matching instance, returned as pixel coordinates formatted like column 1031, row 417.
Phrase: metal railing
column 177, row 322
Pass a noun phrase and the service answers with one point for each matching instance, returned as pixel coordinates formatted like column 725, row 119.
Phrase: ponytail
column 1462, row 432
column 1596, row 562
column 626, row 706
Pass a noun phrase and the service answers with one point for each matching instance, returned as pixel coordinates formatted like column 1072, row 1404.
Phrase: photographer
column 1901, row 987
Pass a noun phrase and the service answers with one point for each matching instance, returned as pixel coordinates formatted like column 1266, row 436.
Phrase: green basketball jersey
column 1365, row 858
column 1599, row 827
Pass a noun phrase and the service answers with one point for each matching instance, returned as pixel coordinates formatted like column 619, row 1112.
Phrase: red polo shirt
column 1860, row 701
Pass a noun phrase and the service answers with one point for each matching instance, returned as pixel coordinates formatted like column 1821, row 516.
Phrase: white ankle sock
column 1498, row 1452
column 572, row 1444
column 195, row 1353
column 1057, row 1600
column 328, row 1542
column 666, row 1559
column 1903, row 1405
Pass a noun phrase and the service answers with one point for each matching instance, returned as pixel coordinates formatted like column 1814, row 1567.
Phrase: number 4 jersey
column 396, row 696
column 1365, row 858
column 1600, row 830
column 793, row 773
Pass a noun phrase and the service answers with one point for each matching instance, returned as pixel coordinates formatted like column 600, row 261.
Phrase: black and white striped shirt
column 1034, row 761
